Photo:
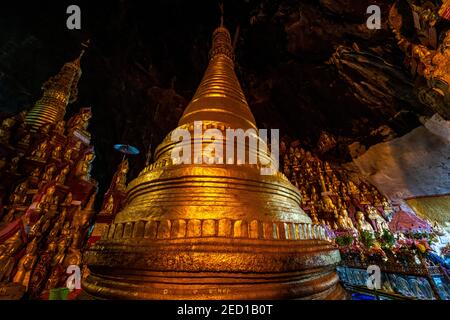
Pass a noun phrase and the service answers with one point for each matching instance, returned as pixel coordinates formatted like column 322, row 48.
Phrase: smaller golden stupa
column 213, row 230
column 59, row 91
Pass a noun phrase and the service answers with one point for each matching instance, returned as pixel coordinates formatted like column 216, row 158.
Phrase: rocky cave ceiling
column 293, row 58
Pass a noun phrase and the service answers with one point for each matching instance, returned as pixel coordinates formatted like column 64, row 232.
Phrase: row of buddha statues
column 427, row 52
column 49, row 193
column 331, row 197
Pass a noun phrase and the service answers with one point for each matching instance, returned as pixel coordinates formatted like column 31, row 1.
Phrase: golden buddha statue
column 352, row 188
column 26, row 263
column 363, row 199
column 74, row 256
column 66, row 230
column 7, row 256
column 19, row 195
column 121, row 175
column 80, row 121
column 83, row 168
column 314, row 196
column 40, row 153
column 327, row 168
column 61, row 177
column 56, row 153
column 342, row 225
column 362, row 224
column 328, row 203
column 36, row 173
column 54, row 280
column 35, row 229
column 48, row 173
column 47, row 198
column 68, row 154
column 376, row 218
column 313, row 215
column 224, row 223
column 345, row 221
column 58, row 258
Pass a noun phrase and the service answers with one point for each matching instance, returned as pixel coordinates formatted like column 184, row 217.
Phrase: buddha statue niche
column 20, row 193
column 48, row 173
column 40, row 153
column 56, row 153
column 26, row 263
column 47, row 198
column 121, row 176
column 80, row 121
column 61, row 177
column 362, row 224
column 83, row 167
column 108, row 208
column 344, row 221
column 376, row 218
column 7, row 256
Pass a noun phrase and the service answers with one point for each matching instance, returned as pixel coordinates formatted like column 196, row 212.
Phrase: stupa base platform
column 213, row 269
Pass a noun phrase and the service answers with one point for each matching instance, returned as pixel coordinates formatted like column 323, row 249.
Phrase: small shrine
column 47, row 194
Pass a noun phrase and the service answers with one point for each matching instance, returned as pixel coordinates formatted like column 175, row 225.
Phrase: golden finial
column 221, row 14
column 85, row 46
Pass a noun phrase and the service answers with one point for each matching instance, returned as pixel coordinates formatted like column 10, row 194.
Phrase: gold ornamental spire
column 59, row 91
column 219, row 96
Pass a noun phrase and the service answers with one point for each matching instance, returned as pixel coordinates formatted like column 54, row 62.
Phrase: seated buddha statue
column 61, row 177
column 68, row 154
column 7, row 256
column 314, row 196
column 121, row 175
column 362, row 224
column 313, row 214
column 58, row 258
column 48, row 173
column 47, row 198
column 19, row 196
column 83, row 167
column 352, row 188
column 36, row 173
column 80, row 121
column 56, row 153
column 328, row 203
column 346, row 220
column 26, row 264
column 377, row 219
column 68, row 200
column 40, row 153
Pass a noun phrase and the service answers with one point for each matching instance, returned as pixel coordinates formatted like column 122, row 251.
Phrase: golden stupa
column 212, row 231
column 59, row 91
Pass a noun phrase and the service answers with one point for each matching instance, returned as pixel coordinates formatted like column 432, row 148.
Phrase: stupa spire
column 59, row 91
column 219, row 96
